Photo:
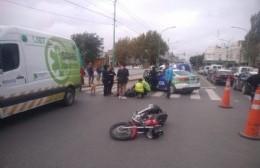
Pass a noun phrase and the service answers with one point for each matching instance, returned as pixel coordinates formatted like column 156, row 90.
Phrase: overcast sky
column 199, row 23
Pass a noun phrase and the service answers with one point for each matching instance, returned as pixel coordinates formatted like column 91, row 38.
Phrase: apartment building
column 223, row 53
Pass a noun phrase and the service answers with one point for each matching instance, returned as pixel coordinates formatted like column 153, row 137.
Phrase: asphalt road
column 198, row 134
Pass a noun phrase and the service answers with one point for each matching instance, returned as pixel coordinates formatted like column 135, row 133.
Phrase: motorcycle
column 147, row 121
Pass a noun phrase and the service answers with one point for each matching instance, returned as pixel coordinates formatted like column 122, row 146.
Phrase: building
column 224, row 54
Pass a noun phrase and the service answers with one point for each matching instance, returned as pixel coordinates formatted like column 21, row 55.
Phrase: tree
column 197, row 61
column 90, row 46
column 252, row 40
column 122, row 50
column 145, row 45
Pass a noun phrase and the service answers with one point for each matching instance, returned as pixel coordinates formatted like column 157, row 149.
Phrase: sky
column 198, row 23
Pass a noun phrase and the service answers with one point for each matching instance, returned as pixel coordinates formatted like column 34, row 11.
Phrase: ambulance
column 36, row 69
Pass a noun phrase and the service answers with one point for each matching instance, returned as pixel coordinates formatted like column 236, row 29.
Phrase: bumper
column 186, row 87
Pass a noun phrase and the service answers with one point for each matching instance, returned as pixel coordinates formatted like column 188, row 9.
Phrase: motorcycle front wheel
column 119, row 132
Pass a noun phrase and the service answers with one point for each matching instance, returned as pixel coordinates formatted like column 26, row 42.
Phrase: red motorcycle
column 147, row 121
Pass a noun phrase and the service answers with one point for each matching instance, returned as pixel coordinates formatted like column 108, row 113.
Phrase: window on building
column 9, row 57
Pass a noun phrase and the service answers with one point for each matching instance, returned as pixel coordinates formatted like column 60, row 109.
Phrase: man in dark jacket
column 105, row 79
column 254, row 81
column 154, row 81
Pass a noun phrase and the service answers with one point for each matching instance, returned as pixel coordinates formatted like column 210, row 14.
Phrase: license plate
column 161, row 83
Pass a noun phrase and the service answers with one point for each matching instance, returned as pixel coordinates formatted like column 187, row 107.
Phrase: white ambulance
column 36, row 69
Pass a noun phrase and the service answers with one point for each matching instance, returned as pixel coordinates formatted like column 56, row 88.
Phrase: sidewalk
column 99, row 83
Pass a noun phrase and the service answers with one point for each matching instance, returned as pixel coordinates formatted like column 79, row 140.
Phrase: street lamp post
column 114, row 29
column 159, row 42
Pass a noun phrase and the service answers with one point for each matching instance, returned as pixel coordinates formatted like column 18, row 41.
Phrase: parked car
column 220, row 76
column 240, row 83
column 183, row 81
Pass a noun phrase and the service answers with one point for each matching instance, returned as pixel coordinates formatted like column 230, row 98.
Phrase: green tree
column 90, row 46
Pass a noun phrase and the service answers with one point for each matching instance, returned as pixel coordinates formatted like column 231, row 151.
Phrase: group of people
column 141, row 88
column 108, row 75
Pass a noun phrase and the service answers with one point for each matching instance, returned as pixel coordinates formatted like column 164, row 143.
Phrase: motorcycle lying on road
column 147, row 121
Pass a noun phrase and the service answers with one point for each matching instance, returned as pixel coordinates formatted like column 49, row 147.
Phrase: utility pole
column 114, row 32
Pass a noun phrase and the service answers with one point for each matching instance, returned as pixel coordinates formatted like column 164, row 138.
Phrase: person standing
column 254, row 81
column 168, row 79
column 105, row 78
column 82, row 75
column 111, row 75
column 90, row 73
column 98, row 70
column 122, row 78
column 154, row 81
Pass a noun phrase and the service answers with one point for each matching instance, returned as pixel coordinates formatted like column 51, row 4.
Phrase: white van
column 36, row 69
column 215, row 67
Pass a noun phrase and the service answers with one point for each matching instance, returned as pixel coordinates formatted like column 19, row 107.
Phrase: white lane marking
column 212, row 94
column 195, row 95
column 175, row 96
column 208, row 87
column 158, row 94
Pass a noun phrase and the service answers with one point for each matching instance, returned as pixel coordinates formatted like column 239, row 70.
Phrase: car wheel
column 68, row 99
column 172, row 89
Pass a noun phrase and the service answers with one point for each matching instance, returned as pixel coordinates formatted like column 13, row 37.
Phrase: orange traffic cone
column 226, row 97
column 252, row 130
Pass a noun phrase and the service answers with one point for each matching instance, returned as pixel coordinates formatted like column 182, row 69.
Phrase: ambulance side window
column 9, row 57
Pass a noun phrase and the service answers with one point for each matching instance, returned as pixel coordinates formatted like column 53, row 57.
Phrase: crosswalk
column 195, row 95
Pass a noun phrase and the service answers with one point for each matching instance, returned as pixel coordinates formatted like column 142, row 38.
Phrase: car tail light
column 182, row 79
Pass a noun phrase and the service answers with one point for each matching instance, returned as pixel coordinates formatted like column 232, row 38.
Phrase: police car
column 183, row 81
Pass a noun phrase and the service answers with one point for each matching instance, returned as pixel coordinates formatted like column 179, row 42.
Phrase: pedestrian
column 153, row 76
column 82, row 75
column 98, row 70
column 111, row 75
column 105, row 79
column 168, row 79
column 90, row 73
column 122, row 78
column 139, row 88
column 254, row 82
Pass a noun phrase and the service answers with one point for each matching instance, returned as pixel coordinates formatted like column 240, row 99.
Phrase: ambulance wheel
column 68, row 99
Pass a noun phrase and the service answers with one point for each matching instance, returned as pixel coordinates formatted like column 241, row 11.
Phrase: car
column 243, row 69
column 206, row 69
column 183, row 81
column 183, row 66
column 220, row 76
column 215, row 66
column 241, row 84
column 201, row 70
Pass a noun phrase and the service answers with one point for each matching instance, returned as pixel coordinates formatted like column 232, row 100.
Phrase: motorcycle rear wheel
column 118, row 132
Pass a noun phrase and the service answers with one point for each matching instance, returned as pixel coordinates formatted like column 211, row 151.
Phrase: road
column 198, row 133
